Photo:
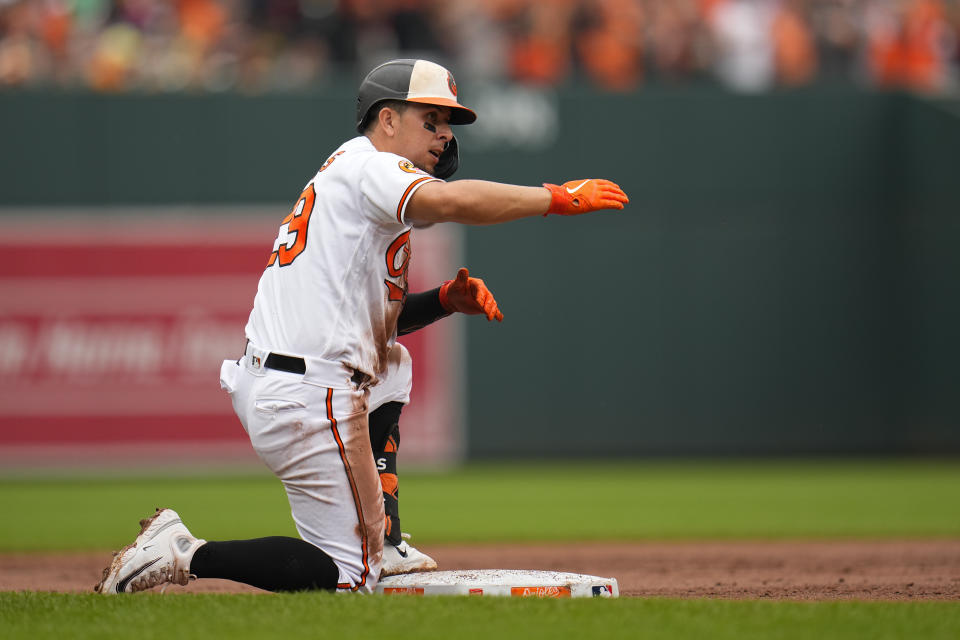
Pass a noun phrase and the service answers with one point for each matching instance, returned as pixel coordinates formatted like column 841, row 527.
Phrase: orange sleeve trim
column 353, row 489
column 406, row 194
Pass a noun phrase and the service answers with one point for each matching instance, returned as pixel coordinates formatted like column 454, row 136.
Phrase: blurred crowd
column 620, row 45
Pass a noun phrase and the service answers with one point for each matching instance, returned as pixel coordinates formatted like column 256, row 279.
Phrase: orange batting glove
column 469, row 295
column 580, row 196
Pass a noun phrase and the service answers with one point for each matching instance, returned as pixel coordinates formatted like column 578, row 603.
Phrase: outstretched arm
column 482, row 202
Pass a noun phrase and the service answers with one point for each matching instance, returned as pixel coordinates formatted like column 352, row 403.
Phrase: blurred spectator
column 611, row 43
column 540, row 35
column 743, row 30
column 679, row 38
column 795, row 55
column 910, row 44
column 278, row 45
column 477, row 34
column 837, row 35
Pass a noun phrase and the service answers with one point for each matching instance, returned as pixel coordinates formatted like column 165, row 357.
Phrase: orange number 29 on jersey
column 292, row 239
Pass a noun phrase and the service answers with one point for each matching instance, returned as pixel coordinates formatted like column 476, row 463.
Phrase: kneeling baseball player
column 321, row 383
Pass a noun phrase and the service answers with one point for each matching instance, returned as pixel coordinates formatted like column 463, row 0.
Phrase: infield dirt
column 822, row 570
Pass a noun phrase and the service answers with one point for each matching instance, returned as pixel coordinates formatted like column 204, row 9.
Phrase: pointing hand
column 581, row 196
column 469, row 295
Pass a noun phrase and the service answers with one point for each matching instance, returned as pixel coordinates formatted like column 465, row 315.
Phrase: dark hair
column 373, row 114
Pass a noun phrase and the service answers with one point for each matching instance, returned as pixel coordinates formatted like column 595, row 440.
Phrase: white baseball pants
column 311, row 431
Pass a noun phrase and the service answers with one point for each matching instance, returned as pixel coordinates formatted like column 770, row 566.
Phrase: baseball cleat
column 161, row 554
column 404, row 558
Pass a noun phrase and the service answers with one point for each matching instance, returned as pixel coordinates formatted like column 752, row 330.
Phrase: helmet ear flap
column 449, row 160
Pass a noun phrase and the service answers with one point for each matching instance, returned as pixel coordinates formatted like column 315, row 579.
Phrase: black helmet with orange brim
column 411, row 81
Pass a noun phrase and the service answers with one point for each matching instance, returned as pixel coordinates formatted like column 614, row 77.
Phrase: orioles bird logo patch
column 406, row 165
column 451, row 84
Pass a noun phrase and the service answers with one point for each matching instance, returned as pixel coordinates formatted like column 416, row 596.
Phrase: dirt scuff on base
column 823, row 570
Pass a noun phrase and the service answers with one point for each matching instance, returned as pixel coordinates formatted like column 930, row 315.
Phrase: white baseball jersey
column 337, row 276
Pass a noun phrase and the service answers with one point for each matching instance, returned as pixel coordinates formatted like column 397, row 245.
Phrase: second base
column 500, row 582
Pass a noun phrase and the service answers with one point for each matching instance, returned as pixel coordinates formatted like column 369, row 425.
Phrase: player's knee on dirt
column 276, row 563
column 385, row 440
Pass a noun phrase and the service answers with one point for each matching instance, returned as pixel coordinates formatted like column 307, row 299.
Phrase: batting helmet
column 411, row 81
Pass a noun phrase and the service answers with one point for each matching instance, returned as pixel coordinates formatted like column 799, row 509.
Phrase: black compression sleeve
column 276, row 563
column 419, row 310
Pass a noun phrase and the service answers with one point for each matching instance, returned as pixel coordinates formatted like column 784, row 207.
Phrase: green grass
column 147, row 616
column 497, row 502
column 521, row 502
column 683, row 500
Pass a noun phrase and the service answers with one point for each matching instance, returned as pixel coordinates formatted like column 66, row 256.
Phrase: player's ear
column 388, row 120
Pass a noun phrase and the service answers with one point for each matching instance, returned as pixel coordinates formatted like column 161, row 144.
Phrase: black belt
column 285, row 363
column 291, row 364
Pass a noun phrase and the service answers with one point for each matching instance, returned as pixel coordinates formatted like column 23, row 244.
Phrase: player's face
column 423, row 134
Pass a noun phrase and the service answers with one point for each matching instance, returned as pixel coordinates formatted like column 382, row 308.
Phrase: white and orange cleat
column 161, row 554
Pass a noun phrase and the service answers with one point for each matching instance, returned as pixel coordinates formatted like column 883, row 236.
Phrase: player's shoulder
column 352, row 151
column 381, row 161
column 357, row 163
column 342, row 162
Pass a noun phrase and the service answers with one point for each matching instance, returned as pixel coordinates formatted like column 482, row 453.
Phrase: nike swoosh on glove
column 580, row 196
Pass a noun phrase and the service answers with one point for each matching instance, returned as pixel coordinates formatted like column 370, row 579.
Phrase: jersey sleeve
column 387, row 183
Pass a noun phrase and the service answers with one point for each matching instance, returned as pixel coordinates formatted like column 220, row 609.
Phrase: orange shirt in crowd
column 795, row 54
column 908, row 56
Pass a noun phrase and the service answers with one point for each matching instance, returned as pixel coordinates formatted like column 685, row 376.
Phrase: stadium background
column 783, row 282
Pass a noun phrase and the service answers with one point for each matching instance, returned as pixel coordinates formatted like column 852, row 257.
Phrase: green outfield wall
column 783, row 281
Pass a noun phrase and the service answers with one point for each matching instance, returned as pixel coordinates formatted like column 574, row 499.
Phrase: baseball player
column 322, row 374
